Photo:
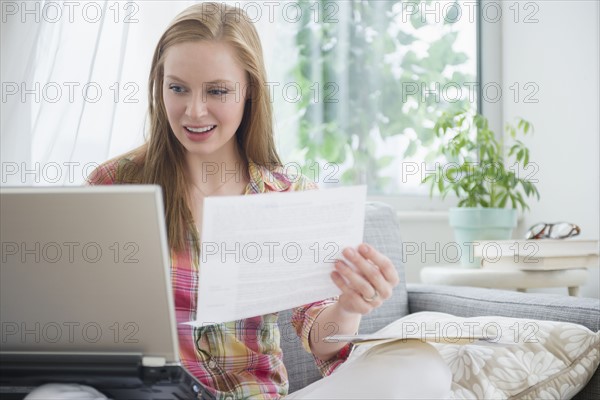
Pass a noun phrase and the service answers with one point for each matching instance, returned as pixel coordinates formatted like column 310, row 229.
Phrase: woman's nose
column 197, row 107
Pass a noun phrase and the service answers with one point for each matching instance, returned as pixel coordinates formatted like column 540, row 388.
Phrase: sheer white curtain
column 74, row 84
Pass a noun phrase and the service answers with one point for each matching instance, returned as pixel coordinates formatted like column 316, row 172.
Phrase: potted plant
column 490, row 187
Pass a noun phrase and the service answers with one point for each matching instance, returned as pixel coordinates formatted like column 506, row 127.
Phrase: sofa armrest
column 471, row 302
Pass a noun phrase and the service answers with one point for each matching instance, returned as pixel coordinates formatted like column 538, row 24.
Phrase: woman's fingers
column 371, row 272
column 349, row 296
column 355, row 280
column 367, row 282
column 385, row 265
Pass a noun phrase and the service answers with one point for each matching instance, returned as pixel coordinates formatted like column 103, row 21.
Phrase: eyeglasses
column 558, row 230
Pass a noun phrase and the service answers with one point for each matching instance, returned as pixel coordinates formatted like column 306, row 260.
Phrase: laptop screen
column 86, row 270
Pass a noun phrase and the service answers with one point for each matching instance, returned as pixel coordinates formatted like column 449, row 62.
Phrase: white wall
column 559, row 54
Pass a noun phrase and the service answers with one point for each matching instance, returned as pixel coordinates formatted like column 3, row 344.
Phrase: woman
column 210, row 110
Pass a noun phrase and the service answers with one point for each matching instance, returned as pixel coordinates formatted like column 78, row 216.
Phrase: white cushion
column 525, row 359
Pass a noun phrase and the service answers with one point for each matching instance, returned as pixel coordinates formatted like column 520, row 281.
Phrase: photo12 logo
column 451, row 12
column 271, row 252
column 53, row 12
column 452, row 92
column 451, row 171
column 452, row 252
column 288, row 11
column 68, row 332
column 70, row 92
column 76, row 253
column 67, row 172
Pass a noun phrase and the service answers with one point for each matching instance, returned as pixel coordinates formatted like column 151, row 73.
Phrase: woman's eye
column 218, row 92
column 176, row 89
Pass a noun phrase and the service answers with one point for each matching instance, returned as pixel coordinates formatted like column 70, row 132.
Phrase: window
column 357, row 86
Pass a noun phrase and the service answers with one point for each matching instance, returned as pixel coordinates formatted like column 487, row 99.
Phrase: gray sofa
column 383, row 232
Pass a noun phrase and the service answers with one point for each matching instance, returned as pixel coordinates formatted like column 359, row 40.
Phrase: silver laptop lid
column 86, row 269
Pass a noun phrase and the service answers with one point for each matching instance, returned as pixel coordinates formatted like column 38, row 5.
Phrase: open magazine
column 432, row 328
column 378, row 338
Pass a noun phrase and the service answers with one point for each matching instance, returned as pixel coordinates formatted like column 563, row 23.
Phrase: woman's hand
column 366, row 285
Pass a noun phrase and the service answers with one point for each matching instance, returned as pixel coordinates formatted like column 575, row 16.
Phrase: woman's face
column 203, row 94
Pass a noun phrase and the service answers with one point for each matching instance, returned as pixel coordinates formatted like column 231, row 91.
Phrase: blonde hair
column 161, row 159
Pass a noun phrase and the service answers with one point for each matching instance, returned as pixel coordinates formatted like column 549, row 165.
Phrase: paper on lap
column 271, row 252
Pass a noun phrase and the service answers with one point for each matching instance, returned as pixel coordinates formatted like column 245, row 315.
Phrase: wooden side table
column 505, row 278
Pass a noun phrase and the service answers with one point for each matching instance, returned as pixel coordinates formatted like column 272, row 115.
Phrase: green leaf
column 417, row 20
column 384, row 181
column 385, row 161
column 331, row 148
column 411, row 149
column 349, row 176
column 512, row 201
column 405, row 38
column 503, row 199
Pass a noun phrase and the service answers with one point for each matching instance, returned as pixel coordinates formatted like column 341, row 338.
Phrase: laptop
column 85, row 293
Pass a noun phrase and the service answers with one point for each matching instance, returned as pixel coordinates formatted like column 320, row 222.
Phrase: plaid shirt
column 238, row 359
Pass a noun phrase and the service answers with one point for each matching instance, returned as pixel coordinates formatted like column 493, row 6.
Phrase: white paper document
column 269, row 252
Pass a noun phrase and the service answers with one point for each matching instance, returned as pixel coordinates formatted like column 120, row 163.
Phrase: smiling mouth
column 205, row 129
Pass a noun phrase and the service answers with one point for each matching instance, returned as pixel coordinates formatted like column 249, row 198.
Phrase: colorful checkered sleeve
column 303, row 319
column 110, row 172
column 105, row 174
